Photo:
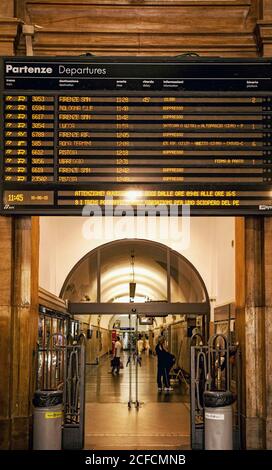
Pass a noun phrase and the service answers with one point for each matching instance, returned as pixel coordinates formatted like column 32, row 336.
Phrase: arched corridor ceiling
column 151, row 262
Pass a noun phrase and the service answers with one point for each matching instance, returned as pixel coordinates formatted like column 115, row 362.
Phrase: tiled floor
column 161, row 422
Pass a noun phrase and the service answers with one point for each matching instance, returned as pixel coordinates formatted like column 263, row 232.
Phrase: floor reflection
column 103, row 387
column 162, row 421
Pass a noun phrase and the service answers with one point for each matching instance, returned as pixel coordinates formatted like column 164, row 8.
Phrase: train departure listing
column 145, row 133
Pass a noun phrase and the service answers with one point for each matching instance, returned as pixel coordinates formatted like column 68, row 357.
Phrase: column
column 19, row 245
column 258, row 326
column 19, row 250
column 268, row 327
column 254, row 326
column 6, row 267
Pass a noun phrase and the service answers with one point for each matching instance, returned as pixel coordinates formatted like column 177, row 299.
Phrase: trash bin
column 218, row 420
column 47, row 420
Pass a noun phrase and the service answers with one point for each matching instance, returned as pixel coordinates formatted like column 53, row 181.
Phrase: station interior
column 61, row 276
column 143, row 261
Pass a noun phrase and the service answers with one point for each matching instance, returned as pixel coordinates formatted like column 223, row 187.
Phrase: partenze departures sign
column 151, row 134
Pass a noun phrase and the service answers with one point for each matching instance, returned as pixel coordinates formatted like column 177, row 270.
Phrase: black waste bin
column 47, row 419
column 218, row 420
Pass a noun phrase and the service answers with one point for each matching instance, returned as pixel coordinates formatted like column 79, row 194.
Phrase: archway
column 161, row 274
column 168, row 286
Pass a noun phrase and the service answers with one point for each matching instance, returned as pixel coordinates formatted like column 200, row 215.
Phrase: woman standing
column 163, row 365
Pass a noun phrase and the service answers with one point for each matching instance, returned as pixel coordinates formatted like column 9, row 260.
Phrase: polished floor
column 161, row 422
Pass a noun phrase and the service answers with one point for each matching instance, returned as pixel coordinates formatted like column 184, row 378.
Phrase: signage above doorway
column 136, row 133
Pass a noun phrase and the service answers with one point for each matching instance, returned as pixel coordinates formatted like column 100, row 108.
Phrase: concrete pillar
column 19, row 250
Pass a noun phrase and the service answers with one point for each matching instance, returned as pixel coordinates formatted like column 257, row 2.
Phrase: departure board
column 141, row 134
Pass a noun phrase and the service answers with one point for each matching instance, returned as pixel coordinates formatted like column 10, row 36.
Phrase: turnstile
column 211, row 369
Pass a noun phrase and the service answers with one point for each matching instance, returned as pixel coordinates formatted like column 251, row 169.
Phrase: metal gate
column 61, row 366
column 212, row 369
column 133, row 362
column 74, row 396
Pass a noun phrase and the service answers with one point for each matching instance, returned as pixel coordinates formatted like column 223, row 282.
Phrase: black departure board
column 147, row 134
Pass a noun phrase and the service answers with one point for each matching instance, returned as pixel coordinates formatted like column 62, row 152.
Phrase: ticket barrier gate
column 71, row 354
column 212, row 370
column 74, row 396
